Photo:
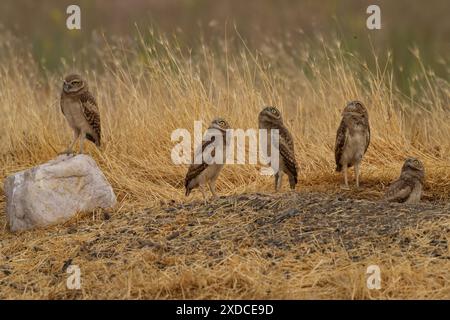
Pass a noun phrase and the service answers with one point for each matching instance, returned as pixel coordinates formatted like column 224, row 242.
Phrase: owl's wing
column 196, row 168
column 92, row 115
column 287, row 136
column 341, row 139
column 367, row 138
column 193, row 171
column 398, row 191
column 61, row 104
column 288, row 156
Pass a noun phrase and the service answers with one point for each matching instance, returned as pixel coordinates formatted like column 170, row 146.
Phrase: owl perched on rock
column 80, row 109
column 407, row 188
column 352, row 139
column 202, row 174
column 270, row 118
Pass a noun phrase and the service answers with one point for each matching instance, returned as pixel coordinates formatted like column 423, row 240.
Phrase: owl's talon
column 66, row 153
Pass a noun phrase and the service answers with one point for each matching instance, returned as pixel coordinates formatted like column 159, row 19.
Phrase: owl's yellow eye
column 274, row 111
column 416, row 162
column 222, row 123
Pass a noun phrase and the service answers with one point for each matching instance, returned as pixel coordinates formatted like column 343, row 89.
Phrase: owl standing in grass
column 352, row 139
column 407, row 188
column 80, row 109
column 270, row 118
column 202, row 174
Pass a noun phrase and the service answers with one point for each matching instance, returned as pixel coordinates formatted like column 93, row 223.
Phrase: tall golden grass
column 146, row 89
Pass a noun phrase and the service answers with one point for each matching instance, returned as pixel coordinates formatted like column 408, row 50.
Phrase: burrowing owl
column 352, row 139
column 81, row 111
column 270, row 118
column 202, row 174
column 407, row 188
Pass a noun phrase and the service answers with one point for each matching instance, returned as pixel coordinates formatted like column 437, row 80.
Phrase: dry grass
column 145, row 91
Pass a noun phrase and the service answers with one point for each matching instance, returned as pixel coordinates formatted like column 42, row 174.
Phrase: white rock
column 55, row 191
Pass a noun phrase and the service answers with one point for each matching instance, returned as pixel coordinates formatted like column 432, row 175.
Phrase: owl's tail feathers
column 93, row 140
column 338, row 167
column 188, row 188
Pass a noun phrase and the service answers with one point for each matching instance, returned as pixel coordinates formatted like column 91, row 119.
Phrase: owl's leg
column 357, row 174
column 345, row 187
column 69, row 150
column 278, row 179
column 202, row 189
column 212, row 188
column 83, row 136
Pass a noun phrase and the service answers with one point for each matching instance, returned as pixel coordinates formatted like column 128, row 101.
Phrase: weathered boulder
column 55, row 191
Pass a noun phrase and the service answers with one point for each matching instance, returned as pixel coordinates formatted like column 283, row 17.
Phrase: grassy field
column 145, row 90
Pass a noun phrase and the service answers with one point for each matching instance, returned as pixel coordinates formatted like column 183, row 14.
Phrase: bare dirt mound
column 316, row 221
column 292, row 245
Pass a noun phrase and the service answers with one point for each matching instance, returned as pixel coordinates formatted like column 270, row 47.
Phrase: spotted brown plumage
column 400, row 189
column 204, row 173
column 81, row 111
column 346, row 128
column 92, row 116
column 408, row 187
column 196, row 168
column 352, row 139
column 289, row 162
column 341, row 137
column 270, row 119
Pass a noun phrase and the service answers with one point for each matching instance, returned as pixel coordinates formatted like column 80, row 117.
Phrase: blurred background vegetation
column 263, row 24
